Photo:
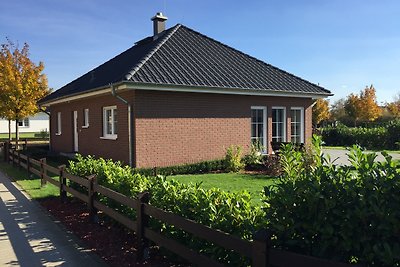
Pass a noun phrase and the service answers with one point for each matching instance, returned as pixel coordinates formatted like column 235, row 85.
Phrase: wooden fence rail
column 258, row 251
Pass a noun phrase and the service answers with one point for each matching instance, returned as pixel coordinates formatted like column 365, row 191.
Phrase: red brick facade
column 170, row 128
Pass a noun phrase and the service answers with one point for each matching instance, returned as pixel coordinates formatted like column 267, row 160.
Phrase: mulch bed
column 113, row 243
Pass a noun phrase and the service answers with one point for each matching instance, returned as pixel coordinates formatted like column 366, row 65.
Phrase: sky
column 342, row 45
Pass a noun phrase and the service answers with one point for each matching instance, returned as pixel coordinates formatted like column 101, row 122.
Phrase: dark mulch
column 113, row 243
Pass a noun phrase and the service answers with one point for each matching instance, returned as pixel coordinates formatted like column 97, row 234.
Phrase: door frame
column 75, row 131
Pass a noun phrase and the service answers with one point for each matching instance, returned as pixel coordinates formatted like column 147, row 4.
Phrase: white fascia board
column 95, row 92
column 217, row 90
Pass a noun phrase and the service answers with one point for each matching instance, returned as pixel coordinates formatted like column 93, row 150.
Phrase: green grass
column 21, row 135
column 232, row 182
column 31, row 184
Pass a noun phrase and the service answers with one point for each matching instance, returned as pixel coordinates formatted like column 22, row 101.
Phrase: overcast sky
column 343, row 45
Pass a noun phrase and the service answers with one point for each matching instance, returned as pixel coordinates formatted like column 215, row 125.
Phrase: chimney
column 158, row 23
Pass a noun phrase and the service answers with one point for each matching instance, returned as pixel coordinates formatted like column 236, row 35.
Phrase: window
column 297, row 125
column 110, row 122
column 85, row 118
column 258, row 127
column 278, row 124
column 58, row 123
column 23, row 123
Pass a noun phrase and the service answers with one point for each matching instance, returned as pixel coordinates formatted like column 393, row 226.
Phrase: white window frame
column 301, row 123
column 85, row 118
column 58, row 123
column 111, row 136
column 264, row 109
column 23, row 123
column 284, row 122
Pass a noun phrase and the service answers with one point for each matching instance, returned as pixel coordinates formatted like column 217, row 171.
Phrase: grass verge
column 232, row 182
column 30, row 184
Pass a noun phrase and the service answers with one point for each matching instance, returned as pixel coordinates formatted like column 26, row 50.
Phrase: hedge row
column 382, row 137
column 194, row 168
column 347, row 214
column 229, row 212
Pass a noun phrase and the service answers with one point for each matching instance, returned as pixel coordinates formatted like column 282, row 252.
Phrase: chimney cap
column 159, row 16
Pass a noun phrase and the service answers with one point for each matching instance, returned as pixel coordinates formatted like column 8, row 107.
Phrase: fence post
column 42, row 172
column 63, row 182
column 261, row 246
column 19, row 159
column 92, row 195
column 155, row 171
column 25, row 146
column 6, row 147
column 142, row 222
column 28, row 163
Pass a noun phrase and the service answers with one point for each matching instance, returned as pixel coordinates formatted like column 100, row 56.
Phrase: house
column 176, row 97
column 32, row 124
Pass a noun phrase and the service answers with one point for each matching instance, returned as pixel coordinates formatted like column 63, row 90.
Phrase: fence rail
column 258, row 250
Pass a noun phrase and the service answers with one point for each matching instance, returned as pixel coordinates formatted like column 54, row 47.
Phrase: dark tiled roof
column 181, row 56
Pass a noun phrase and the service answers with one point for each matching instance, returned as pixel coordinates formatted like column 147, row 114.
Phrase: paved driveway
column 28, row 237
column 340, row 157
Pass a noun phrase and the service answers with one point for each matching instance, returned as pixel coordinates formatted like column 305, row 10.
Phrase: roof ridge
column 249, row 56
column 141, row 62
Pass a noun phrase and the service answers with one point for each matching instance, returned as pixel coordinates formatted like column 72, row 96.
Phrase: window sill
column 109, row 137
column 85, row 126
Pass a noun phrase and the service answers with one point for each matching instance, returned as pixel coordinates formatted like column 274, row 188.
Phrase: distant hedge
column 382, row 137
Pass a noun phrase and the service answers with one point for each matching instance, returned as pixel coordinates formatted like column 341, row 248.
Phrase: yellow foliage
column 22, row 82
column 320, row 111
column 363, row 107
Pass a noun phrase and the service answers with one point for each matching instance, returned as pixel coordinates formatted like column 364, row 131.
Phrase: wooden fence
column 258, row 251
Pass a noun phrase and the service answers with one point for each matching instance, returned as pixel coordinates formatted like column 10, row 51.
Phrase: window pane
column 260, row 133
column 253, row 130
column 108, row 121
column 260, row 116
column 253, row 115
column 115, row 121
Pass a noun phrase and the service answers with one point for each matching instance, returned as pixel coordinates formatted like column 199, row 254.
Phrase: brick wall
column 89, row 139
column 174, row 128
column 169, row 127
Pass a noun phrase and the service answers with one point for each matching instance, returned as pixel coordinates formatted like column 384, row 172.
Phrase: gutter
column 130, row 123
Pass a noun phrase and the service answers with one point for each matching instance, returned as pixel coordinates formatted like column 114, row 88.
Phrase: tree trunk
column 16, row 134
column 9, row 131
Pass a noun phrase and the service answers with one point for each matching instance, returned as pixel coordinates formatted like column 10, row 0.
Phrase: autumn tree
column 394, row 107
column 22, row 83
column 320, row 111
column 363, row 107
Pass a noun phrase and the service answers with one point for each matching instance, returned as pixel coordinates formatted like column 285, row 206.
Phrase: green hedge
column 347, row 214
column 229, row 212
column 194, row 168
column 382, row 137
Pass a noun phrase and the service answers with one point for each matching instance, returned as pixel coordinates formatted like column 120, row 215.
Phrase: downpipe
column 130, row 123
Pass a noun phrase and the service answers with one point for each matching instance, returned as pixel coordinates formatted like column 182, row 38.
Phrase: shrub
column 335, row 212
column 229, row 212
column 194, row 168
column 379, row 137
column 233, row 159
column 393, row 133
column 254, row 159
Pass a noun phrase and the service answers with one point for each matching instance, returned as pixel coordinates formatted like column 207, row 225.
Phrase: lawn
column 21, row 135
column 233, row 182
column 31, row 184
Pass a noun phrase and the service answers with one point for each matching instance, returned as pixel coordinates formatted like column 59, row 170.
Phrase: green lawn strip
column 29, row 184
column 21, row 135
column 232, row 182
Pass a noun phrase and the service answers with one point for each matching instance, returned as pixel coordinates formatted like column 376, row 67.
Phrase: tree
column 338, row 112
column 394, row 107
column 320, row 111
column 22, row 83
column 363, row 107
